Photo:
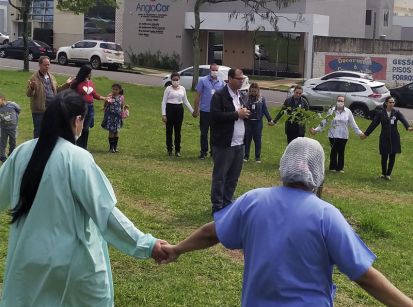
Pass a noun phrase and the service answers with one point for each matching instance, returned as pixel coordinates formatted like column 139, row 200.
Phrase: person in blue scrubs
column 292, row 239
column 63, row 213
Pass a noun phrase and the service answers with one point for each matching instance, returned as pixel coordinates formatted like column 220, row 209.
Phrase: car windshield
column 380, row 89
column 111, row 46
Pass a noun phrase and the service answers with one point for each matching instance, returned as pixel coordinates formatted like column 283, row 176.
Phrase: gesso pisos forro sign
column 152, row 7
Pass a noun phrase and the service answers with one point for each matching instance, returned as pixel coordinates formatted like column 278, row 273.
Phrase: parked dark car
column 403, row 95
column 36, row 49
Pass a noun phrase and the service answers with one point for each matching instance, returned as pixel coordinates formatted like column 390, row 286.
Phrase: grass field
column 169, row 197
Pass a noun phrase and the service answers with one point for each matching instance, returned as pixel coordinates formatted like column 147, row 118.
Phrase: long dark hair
column 57, row 122
column 81, row 76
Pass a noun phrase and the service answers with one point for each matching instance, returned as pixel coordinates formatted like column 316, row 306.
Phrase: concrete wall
column 357, row 45
column 339, row 11
column 67, row 28
column 379, row 7
column 146, row 30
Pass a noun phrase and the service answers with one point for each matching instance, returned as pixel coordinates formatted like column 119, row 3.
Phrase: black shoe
column 177, row 154
column 170, row 153
column 202, row 156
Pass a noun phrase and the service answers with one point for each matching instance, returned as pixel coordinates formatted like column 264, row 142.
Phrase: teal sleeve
column 123, row 235
column 92, row 190
column 6, row 180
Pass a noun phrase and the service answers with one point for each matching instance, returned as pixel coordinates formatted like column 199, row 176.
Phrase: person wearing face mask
column 293, row 128
column 205, row 88
column 63, row 213
column 253, row 125
column 341, row 118
column 389, row 141
column 173, row 113
column 292, row 240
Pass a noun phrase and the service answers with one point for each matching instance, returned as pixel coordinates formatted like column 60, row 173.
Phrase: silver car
column 339, row 74
column 363, row 97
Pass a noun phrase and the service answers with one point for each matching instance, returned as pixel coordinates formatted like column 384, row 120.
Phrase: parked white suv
column 4, row 39
column 97, row 53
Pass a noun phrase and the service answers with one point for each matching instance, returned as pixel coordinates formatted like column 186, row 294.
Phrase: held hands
column 410, row 129
column 164, row 119
column 164, row 253
column 312, row 131
column 363, row 136
column 271, row 123
column 243, row 113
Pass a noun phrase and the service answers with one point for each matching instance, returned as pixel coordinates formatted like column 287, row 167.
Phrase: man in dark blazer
column 293, row 129
column 227, row 139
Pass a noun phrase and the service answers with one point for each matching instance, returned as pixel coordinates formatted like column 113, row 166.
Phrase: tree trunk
column 25, row 15
column 195, row 43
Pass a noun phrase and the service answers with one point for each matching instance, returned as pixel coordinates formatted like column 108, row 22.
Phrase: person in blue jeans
column 253, row 125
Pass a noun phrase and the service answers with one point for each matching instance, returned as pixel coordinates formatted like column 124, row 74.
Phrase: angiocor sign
column 151, row 17
column 377, row 66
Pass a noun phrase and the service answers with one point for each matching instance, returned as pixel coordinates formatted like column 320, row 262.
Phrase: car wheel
column 5, row 42
column 359, row 110
column 30, row 57
column 95, row 62
column 2, row 53
column 62, row 58
column 168, row 83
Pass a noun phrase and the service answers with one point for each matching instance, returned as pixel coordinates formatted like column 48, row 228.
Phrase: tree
column 75, row 6
column 254, row 7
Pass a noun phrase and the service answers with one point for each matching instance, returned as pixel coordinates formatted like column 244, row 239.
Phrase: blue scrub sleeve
column 228, row 224
column 346, row 249
column 123, row 235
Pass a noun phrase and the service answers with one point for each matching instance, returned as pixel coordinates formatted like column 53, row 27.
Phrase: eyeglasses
column 239, row 78
column 340, row 100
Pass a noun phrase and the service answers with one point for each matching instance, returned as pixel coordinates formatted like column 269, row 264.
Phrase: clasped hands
column 164, row 253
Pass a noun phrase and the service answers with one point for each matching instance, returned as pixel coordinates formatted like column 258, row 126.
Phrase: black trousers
column 204, row 124
column 174, row 119
column 338, row 147
column 386, row 169
column 227, row 168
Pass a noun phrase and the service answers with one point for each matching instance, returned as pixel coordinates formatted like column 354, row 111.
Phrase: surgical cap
column 303, row 161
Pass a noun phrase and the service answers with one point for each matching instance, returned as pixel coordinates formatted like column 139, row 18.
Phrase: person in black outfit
column 293, row 129
column 227, row 139
column 389, row 142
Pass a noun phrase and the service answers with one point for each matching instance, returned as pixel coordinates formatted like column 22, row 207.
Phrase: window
column 386, row 18
column 17, row 43
column 330, row 86
column 110, row 46
column 79, row 45
column 203, row 72
column 90, row 44
column 355, row 88
column 380, row 89
column 368, row 17
column 188, row 72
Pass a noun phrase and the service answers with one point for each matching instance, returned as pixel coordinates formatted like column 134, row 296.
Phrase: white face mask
column 340, row 104
column 175, row 83
column 214, row 73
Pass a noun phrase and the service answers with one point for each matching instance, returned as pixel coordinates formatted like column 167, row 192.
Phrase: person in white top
column 173, row 113
column 338, row 133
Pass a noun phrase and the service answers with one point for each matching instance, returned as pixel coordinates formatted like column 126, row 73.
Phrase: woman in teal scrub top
column 63, row 214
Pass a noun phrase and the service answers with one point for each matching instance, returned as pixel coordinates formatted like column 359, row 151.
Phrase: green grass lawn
column 169, row 197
